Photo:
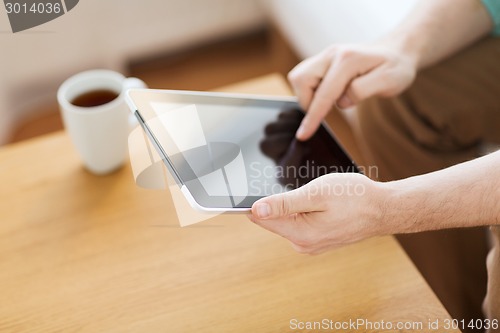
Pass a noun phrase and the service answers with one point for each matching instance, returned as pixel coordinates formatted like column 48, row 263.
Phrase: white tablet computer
column 226, row 151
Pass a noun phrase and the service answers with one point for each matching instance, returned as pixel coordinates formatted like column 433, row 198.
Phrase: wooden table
column 98, row 254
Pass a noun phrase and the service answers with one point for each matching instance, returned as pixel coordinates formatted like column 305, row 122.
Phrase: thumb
column 282, row 205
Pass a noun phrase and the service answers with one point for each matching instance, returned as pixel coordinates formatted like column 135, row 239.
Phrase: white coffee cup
column 99, row 133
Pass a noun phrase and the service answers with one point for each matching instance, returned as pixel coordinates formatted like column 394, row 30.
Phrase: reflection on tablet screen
column 230, row 154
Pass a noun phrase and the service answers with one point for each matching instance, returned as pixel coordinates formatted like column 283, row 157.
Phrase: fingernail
column 263, row 210
column 301, row 131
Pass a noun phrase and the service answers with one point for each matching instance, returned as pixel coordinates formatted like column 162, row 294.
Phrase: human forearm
column 437, row 29
column 465, row 195
column 327, row 213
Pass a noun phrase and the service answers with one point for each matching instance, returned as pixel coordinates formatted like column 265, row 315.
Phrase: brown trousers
column 451, row 110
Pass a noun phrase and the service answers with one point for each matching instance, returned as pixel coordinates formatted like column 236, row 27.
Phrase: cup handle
column 129, row 83
column 133, row 82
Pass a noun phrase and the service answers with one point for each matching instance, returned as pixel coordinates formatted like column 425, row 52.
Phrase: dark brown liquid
column 94, row 98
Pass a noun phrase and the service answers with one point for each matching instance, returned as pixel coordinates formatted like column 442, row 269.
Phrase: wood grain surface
column 82, row 253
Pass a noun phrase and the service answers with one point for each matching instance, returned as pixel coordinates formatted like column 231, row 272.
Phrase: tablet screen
column 231, row 151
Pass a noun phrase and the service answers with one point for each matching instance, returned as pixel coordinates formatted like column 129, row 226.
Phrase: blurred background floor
column 204, row 67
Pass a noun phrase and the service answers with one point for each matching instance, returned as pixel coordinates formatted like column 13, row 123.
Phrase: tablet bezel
column 139, row 101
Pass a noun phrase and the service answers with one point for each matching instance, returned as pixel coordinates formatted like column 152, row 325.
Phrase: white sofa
column 100, row 33
column 312, row 25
